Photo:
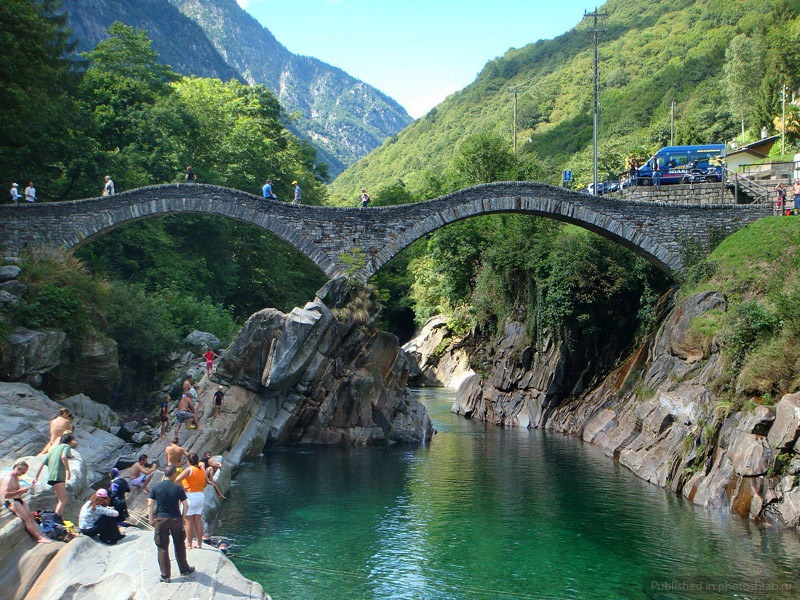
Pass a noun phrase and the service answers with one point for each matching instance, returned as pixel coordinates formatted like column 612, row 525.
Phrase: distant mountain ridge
column 341, row 116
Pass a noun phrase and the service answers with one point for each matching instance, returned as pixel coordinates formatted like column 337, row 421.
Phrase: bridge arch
column 654, row 230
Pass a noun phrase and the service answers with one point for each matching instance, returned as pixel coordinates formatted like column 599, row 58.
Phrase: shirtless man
column 176, row 455
column 59, row 425
column 188, row 382
column 11, row 492
column 141, row 474
column 185, row 412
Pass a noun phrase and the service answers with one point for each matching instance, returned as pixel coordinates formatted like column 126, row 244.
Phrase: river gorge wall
column 656, row 413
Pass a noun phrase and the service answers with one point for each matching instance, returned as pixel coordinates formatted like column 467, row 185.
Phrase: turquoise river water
column 485, row 512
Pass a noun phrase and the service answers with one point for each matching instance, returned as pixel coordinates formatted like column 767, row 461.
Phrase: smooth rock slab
column 85, row 569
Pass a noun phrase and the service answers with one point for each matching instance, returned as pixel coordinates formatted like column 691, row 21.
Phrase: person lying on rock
column 98, row 519
column 141, row 474
column 11, row 492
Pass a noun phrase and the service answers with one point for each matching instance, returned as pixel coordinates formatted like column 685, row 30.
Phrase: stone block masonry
column 655, row 230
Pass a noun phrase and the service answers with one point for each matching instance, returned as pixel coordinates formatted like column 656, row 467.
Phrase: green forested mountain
column 217, row 38
column 701, row 54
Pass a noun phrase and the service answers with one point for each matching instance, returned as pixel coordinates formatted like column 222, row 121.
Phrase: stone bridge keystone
column 654, row 230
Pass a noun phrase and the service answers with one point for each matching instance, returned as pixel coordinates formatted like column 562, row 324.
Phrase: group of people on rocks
column 174, row 504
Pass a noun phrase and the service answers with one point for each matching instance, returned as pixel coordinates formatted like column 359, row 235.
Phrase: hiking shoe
column 164, row 579
column 191, row 427
column 189, row 572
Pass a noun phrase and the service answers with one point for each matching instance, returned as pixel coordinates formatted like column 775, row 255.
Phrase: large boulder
column 436, row 358
column 785, row 430
column 28, row 354
column 200, row 341
column 100, row 415
column 320, row 380
column 93, row 370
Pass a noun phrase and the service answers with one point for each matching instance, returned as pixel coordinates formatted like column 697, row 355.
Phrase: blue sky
column 416, row 51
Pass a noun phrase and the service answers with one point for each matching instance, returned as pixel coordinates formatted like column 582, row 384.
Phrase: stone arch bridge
column 655, row 231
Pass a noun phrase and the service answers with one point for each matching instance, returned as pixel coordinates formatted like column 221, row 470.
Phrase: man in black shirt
column 166, row 506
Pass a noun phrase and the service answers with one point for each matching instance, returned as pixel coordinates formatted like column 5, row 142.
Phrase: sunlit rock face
column 322, row 379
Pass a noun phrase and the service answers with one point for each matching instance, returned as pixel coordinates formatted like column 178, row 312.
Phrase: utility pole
column 596, row 36
column 783, row 119
column 672, row 123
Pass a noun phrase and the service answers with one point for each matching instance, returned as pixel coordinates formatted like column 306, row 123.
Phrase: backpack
column 52, row 526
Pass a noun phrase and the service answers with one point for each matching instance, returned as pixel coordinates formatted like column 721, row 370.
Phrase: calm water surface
column 485, row 512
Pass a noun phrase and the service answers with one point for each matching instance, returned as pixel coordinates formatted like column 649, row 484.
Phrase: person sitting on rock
column 211, row 467
column 98, row 519
column 11, row 493
column 141, row 474
column 117, row 489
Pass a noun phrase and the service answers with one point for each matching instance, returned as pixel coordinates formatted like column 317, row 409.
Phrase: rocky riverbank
column 656, row 414
column 315, row 376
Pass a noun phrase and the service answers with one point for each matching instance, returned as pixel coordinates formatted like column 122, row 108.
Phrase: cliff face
column 657, row 415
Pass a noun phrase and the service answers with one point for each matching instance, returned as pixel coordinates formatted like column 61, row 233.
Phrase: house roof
column 759, row 148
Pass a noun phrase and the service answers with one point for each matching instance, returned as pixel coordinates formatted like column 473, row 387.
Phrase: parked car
column 604, row 187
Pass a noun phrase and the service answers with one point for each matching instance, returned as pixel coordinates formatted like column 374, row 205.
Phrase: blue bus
column 672, row 163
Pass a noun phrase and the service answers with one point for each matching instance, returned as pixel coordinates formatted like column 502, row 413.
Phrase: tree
column 38, row 119
column 743, row 72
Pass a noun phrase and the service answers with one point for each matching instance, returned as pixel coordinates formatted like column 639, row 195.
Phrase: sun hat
column 294, row 183
column 14, row 185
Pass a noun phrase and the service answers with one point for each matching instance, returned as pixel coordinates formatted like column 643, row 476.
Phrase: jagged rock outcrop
column 657, row 415
column 437, row 359
column 323, row 380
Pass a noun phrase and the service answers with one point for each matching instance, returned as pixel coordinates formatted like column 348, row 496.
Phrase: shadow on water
column 488, row 512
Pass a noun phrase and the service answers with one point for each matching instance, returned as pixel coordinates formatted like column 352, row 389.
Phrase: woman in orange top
column 193, row 479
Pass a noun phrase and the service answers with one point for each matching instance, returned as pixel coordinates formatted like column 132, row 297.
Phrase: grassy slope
column 651, row 54
column 758, row 270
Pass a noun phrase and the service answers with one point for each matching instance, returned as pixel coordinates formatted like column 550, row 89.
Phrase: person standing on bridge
column 364, row 198
column 267, row 192
column 13, row 193
column 297, row 193
column 30, row 193
column 796, row 194
column 190, row 177
column 108, row 186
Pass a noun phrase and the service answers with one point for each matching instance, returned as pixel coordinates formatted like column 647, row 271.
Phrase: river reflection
column 485, row 512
